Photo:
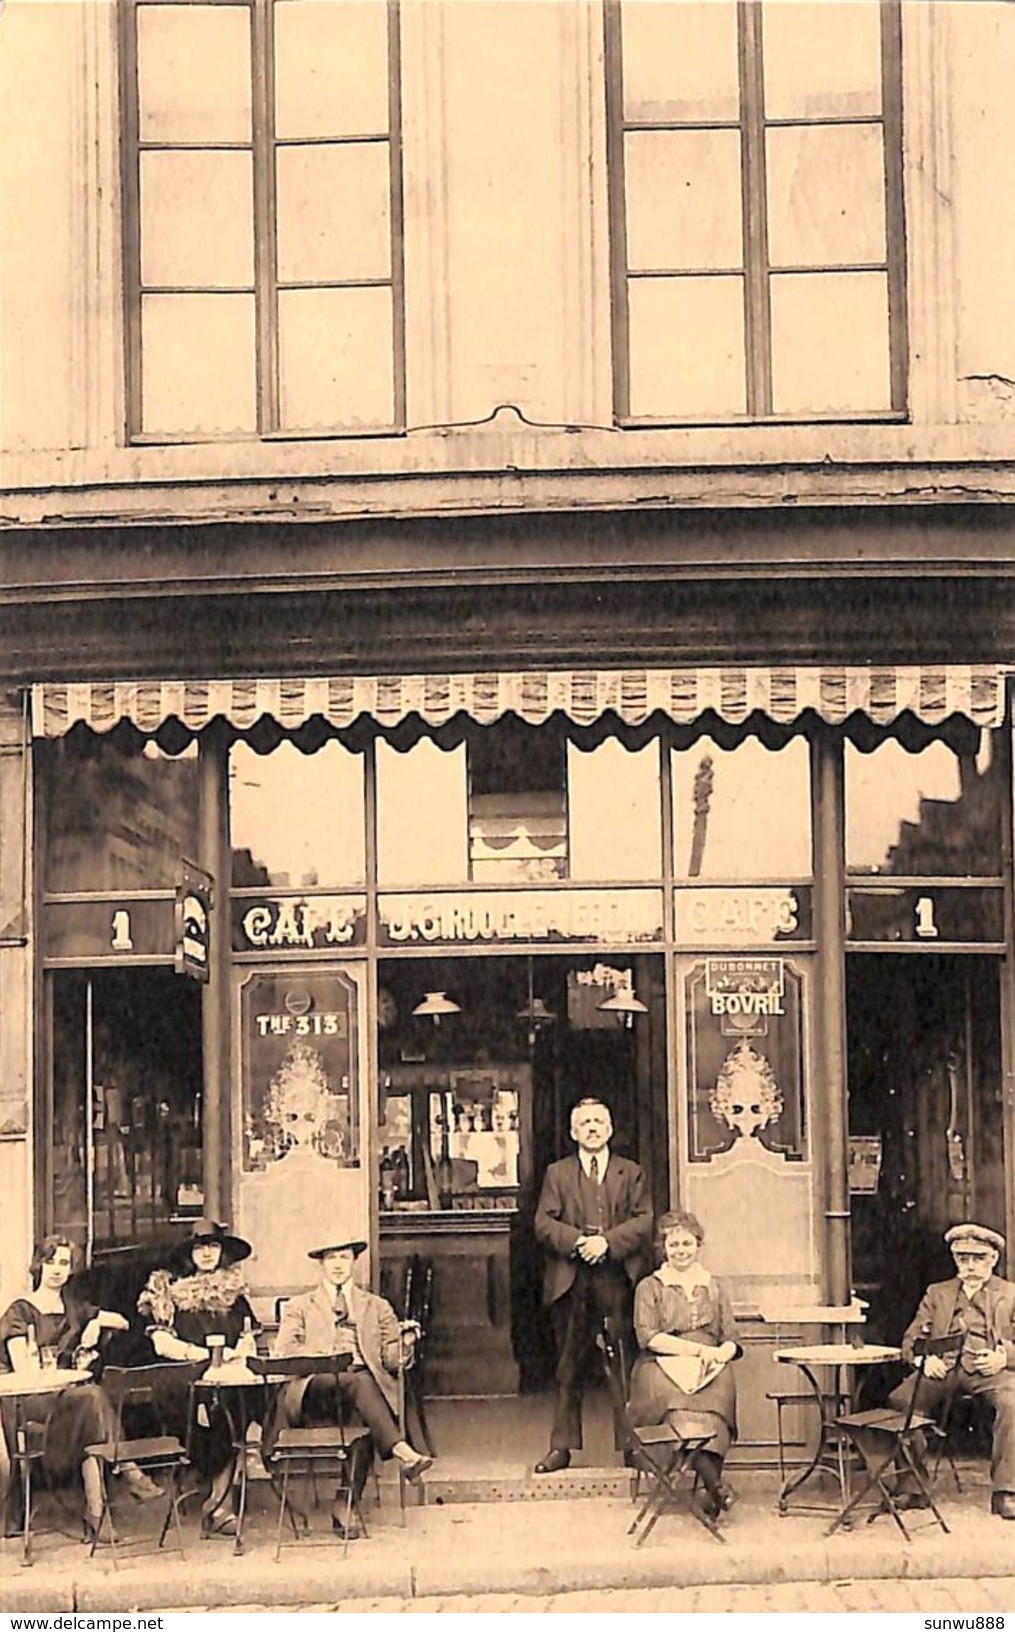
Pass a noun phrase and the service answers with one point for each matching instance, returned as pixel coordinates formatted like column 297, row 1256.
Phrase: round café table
column 240, row 1395
column 832, row 1450
column 18, row 1387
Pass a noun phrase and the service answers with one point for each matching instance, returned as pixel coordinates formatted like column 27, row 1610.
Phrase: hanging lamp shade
column 436, row 1004
column 624, row 1004
column 536, row 1013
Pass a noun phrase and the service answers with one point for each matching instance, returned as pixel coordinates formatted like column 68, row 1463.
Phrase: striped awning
column 932, row 693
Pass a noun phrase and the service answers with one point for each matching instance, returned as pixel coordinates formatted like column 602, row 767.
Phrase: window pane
column 680, row 60
column 335, row 358
column 830, row 342
column 613, row 812
column 334, row 216
column 517, row 803
column 742, row 813
column 925, row 815
column 297, row 820
column 198, row 364
column 197, row 220
column 331, row 68
column 193, row 73
column 118, row 818
column 422, row 815
column 687, row 346
column 821, row 58
column 683, row 199
column 826, row 195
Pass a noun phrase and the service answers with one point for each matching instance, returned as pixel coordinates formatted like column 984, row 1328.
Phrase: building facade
column 507, row 591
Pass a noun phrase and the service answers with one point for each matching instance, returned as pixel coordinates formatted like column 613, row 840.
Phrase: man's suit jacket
column 308, row 1327
column 937, row 1306
column 560, row 1220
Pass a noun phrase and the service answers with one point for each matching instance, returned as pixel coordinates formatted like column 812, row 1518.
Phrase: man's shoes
column 414, row 1471
column 1002, row 1503
column 554, row 1462
column 908, row 1501
column 345, row 1532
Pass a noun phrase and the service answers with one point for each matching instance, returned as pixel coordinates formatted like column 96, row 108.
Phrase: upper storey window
column 263, row 218
column 756, row 200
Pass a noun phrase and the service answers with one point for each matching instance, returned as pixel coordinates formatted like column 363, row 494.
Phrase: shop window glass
column 421, row 815
column 118, row 818
column 517, row 806
column 296, row 820
column 742, row 813
column 614, row 812
column 934, row 814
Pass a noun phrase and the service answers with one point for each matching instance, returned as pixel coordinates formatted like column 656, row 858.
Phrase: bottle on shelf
column 387, row 1178
column 400, row 1163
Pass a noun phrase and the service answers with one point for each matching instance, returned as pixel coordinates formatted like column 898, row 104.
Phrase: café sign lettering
column 745, row 986
column 282, row 924
column 600, row 916
column 743, row 917
column 328, row 1024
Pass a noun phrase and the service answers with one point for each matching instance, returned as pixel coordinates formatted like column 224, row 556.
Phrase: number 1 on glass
column 120, row 940
column 926, row 928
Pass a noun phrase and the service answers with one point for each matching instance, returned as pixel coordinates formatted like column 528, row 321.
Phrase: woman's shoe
column 223, row 1524
column 91, row 1527
column 140, row 1486
column 726, row 1496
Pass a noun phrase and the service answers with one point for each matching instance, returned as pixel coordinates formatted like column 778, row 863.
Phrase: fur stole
column 214, row 1293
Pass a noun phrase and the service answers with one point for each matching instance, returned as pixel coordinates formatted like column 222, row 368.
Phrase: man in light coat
column 341, row 1317
column 981, row 1306
column 594, row 1221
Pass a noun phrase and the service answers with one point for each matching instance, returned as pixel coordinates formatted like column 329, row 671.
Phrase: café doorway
column 925, row 1119
column 125, row 1150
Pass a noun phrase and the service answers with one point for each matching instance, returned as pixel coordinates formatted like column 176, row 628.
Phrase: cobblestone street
column 947, row 1597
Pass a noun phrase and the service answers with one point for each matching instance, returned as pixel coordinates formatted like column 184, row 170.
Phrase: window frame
column 263, row 147
column 757, row 271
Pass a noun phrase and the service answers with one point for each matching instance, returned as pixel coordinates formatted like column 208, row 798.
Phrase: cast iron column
column 831, row 1121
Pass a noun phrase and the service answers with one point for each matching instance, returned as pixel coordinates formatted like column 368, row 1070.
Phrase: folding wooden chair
column 160, row 1452
column 311, row 1451
column 888, row 1443
column 659, row 1455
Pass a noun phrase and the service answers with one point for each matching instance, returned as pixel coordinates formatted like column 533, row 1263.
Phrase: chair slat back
column 147, row 1385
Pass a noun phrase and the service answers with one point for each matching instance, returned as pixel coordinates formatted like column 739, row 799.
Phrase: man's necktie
column 341, row 1310
column 594, row 1169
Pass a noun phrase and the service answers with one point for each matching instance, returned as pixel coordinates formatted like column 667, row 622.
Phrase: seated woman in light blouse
column 682, row 1314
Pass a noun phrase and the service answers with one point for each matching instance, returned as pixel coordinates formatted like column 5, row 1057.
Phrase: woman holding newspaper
column 685, row 1328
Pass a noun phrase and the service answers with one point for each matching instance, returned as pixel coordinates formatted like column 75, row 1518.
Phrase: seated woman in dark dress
column 51, row 1316
column 682, row 1315
column 202, row 1293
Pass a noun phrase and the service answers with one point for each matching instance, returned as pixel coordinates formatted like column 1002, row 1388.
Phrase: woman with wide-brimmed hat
column 200, row 1294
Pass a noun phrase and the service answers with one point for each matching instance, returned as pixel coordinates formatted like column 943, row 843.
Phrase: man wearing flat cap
column 981, row 1306
column 341, row 1317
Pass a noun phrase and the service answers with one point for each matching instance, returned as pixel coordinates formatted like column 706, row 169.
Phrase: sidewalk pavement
column 534, row 1549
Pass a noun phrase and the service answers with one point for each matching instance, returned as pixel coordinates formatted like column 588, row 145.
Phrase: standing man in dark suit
column 594, row 1221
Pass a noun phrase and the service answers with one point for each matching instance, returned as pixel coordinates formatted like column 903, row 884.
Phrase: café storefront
column 765, row 912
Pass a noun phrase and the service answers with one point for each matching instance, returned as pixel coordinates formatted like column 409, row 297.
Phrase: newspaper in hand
column 691, row 1372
